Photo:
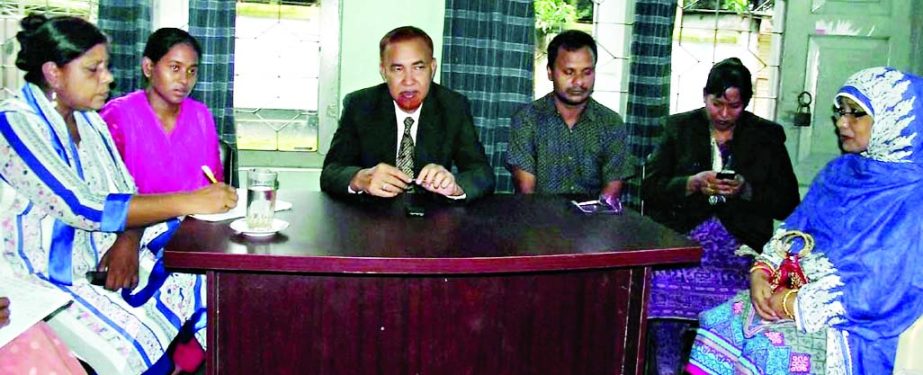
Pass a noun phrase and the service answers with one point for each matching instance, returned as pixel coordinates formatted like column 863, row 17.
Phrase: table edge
column 420, row 266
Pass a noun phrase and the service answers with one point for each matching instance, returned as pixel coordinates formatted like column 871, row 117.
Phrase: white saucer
column 240, row 226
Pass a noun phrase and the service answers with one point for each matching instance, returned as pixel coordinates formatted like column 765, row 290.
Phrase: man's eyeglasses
column 849, row 112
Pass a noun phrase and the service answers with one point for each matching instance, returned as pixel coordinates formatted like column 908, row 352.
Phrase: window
column 552, row 17
column 277, row 75
column 609, row 23
column 613, row 23
column 708, row 31
column 285, row 56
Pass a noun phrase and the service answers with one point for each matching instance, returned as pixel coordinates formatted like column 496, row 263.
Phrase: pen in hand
column 209, row 174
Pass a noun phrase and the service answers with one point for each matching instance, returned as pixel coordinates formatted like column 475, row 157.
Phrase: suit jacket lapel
column 383, row 127
column 701, row 135
column 744, row 145
column 429, row 133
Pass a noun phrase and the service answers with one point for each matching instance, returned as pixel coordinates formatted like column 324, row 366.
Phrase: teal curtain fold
column 487, row 55
column 213, row 23
column 128, row 24
column 649, row 81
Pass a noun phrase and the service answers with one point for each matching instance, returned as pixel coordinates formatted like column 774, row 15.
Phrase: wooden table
column 509, row 284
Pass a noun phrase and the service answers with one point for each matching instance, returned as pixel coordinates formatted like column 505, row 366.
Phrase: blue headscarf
column 865, row 212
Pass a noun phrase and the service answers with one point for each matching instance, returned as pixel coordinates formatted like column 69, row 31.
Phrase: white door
column 824, row 42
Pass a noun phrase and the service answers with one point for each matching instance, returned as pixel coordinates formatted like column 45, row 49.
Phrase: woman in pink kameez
column 164, row 136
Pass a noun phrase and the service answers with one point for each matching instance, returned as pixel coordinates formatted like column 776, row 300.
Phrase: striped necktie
column 405, row 155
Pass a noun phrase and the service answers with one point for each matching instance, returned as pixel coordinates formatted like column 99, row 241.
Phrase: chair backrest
column 228, row 154
column 908, row 360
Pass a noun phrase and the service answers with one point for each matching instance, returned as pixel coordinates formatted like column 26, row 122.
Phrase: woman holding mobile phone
column 720, row 174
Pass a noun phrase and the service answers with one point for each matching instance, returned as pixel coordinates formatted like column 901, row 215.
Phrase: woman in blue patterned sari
column 68, row 206
column 840, row 280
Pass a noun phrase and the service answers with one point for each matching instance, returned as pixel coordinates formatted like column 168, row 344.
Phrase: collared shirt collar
column 590, row 111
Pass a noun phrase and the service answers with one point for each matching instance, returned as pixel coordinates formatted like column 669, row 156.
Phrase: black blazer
column 759, row 154
column 367, row 135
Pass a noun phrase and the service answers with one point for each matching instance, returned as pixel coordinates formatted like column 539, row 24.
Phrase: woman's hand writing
column 212, row 199
column 147, row 209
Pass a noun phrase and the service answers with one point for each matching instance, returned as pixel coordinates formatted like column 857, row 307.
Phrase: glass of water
column 261, row 198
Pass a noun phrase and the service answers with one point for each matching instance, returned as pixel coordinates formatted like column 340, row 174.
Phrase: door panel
column 825, row 42
column 853, row 7
column 817, row 144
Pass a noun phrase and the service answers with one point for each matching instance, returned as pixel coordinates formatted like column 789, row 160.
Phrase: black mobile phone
column 97, row 277
column 414, row 204
column 727, row 175
column 414, row 211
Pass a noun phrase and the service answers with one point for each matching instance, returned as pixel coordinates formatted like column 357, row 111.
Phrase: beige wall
column 364, row 22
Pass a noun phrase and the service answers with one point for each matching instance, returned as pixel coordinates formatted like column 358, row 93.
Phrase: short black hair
column 401, row 34
column 160, row 42
column 58, row 39
column 728, row 73
column 570, row 40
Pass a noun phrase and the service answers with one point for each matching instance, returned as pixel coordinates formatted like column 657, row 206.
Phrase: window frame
column 328, row 85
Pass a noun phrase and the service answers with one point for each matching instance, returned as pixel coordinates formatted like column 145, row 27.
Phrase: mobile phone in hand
column 726, row 175
column 97, row 277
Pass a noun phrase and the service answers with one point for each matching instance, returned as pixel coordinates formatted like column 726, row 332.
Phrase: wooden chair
column 228, row 154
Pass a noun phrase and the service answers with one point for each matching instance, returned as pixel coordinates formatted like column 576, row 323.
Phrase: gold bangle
column 785, row 303
column 787, row 238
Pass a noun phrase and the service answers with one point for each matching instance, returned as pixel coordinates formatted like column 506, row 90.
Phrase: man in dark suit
column 406, row 132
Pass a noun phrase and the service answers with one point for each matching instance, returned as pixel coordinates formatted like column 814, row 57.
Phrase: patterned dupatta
column 95, row 141
column 865, row 213
column 96, row 164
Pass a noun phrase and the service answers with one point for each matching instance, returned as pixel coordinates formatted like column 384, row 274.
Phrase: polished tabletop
column 496, row 234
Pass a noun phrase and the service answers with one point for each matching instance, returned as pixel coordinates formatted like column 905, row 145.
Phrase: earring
column 54, row 99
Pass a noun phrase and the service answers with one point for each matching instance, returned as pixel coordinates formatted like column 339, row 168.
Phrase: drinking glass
column 261, row 198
